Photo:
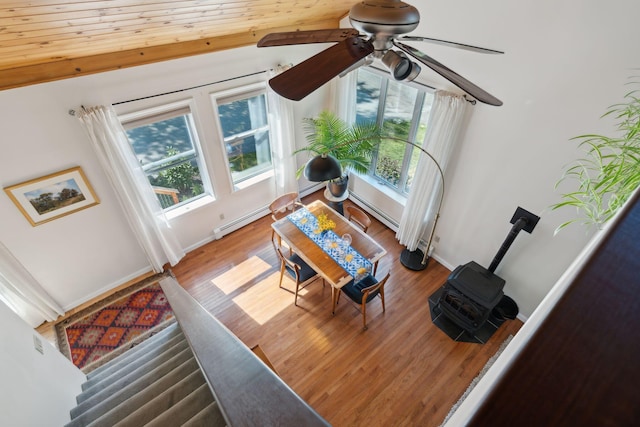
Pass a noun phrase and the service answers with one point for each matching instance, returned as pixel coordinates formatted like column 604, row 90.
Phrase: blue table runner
column 356, row 265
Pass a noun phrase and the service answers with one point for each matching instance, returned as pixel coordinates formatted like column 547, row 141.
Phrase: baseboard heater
column 234, row 225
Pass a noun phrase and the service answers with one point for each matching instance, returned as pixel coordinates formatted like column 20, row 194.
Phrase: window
column 245, row 131
column 166, row 145
column 402, row 110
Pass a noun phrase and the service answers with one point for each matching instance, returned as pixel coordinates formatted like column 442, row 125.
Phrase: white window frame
column 167, row 111
column 401, row 188
column 231, row 95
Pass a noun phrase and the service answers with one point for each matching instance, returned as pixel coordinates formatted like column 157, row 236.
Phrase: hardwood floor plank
column 402, row 371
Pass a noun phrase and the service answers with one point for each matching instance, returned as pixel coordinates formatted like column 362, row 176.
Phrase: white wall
column 84, row 254
column 564, row 64
column 37, row 389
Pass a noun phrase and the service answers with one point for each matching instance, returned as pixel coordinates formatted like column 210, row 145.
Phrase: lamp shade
column 322, row 168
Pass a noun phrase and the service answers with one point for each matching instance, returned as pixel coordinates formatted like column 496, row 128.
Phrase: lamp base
column 413, row 259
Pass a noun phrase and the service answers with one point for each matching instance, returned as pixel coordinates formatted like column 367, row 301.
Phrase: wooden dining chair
column 358, row 217
column 283, row 206
column 363, row 292
column 362, row 220
column 299, row 271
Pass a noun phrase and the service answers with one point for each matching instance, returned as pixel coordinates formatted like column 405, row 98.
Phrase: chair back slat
column 284, row 205
column 358, row 217
column 375, row 287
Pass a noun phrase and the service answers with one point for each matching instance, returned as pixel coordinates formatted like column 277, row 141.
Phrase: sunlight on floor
column 260, row 303
column 241, row 274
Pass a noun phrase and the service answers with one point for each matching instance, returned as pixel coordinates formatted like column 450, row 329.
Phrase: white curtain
column 344, row 95
column 22, row 292
column 283, row 144
column 445, row 121
column 141, row 207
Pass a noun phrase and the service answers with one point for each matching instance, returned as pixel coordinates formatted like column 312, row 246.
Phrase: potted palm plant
column 351, row 145
column 609, row 171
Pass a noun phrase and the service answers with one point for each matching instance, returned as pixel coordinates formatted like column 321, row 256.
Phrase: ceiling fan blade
column 455, row 78
column 449, row 44
column 367, row 60
column 309, row 75
column 304, row 37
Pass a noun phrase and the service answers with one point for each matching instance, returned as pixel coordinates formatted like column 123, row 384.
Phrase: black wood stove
column 473, row 293
column 469, row 295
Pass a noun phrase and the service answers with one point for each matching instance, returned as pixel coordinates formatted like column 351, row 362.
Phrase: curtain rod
column 191, row 88
column 386, row 74
column 73, row 112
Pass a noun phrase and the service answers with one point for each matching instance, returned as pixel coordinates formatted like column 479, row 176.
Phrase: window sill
column 196, row 204
column 253, row 180
column 383, row 188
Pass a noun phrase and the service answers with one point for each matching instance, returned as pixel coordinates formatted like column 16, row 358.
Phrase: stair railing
column 247, row 391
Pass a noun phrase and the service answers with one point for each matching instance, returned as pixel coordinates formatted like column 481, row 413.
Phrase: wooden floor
column 402, row 371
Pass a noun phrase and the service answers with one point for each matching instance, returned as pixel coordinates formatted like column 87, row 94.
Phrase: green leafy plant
column 609, row 172
column 183, row 177
column 388, row 169
column 353, row 146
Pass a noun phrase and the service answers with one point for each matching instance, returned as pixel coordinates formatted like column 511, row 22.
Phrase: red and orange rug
column 108, row 328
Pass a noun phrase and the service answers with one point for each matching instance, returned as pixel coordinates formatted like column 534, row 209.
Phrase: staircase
column 156, row 383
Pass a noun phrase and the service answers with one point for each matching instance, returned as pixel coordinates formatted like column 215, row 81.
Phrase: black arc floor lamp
column 324, row 167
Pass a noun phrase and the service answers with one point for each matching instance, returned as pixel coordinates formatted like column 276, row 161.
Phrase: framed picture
column 44, row 199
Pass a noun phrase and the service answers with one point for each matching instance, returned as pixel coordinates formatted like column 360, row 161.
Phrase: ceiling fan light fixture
column 378, row 32
column 401, row 67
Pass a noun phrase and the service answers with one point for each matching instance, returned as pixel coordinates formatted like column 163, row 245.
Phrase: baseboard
column 105, row 290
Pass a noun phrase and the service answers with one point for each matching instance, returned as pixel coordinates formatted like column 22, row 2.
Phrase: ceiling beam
column 76, row 67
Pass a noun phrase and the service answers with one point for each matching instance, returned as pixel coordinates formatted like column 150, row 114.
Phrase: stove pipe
column 519, row 225
column 521, row 220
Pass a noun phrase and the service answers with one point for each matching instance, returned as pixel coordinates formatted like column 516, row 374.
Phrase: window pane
column 151, row 142
column 249, row 154
column 398, row 112
column 403, row 111
column 246, row 136
column 167, row 153
column 177, row 184
column 242, row 115
column 367, row 97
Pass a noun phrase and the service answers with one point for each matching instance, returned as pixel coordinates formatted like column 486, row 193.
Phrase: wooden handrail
column 171, row 193
column 247, row 391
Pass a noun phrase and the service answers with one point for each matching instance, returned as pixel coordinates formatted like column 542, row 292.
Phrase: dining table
column 339, row 255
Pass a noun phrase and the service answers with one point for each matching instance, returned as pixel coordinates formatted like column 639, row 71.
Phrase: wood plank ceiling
column 46, row 40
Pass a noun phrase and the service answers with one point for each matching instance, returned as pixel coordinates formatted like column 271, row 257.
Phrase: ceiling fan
column 383, row 23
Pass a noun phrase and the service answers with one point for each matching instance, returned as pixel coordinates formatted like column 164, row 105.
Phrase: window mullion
column 382, row 99
column 413, row 130
column 242, row 135
column 169, row 160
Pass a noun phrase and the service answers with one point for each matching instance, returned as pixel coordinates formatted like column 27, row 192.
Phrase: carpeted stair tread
column 117, row 406
column 154, row 354
column 142, row 412
column 164, row 335
column 126, row 387
column 117, row 379
column 209, row 416
column 184, row 410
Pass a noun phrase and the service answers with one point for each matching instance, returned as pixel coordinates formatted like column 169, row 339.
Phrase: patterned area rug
column 109, row 327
